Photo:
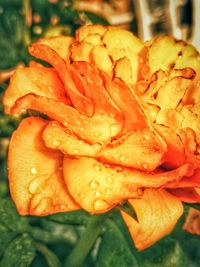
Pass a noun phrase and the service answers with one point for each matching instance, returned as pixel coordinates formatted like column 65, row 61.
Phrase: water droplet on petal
column 114, row 129
column 54, row 124
column 145, row 166
column 138, row 162
column 22, row 111
column 147, row 137
column 63, row 207
column 93, row 184
column 75, row 196
column 35, row 186
column 140, row 191
column 98, row 194
column 116, row 156
column 123, row 158
column 33, row 170
column 43, row 206
column 17, row 137
column 56, row 143
column 101, row 205
column 98, row 167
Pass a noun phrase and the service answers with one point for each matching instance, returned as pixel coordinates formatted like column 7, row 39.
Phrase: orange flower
column 122, row 124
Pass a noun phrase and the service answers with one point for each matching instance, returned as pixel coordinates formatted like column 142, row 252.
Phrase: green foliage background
column 76, row 238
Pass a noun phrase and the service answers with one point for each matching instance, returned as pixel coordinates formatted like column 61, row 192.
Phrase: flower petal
column 167, row 89
column 188, row 195
column 60, row 44
column 192, row 224
column 58, row 137
column 86, row 30
column 121, row 94
column 142, row 150
column 191, row 181
column 44, row 52
column 175, row 154
column 88, row 79
column 35, row 172
column 95, row 90
column 40, row 81
column 94, row 186
column 93, row 130
column 157, row 214
column 98, row 187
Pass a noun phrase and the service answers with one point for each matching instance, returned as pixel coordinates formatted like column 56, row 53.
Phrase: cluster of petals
column 117, row 120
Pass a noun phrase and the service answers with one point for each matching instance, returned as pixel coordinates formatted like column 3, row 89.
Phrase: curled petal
column 58, row 137
column 60, row 44
column 98, row 187
column 95, row 91
column 101, row 58
column 175, row 155
column 157, row 213
column 142, row 150
column 167, row 92
column 39, row 81
column 169, row 117
column 192, row 223
column 79, row 101
column 188, row 195
column 94, row 130
column 35, row 172
column 191, row 181
column 81, row 51
column 87, row 30
column 121, row 94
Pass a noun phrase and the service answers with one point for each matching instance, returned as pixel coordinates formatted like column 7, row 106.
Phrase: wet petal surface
column 35, row 172
column 157, row 213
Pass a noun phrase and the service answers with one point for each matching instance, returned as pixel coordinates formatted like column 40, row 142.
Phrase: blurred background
column 147, row 18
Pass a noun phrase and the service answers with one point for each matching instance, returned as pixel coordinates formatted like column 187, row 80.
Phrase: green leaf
column 5, row 238
column 19, row 253
column 190, row 245
column 114, row 249
column 52, row 232
column 10, row 218
column 74, row 217
column 16, row 246
column 165, row 253
column 126, row 207
column 193, row 205
column 3, row 189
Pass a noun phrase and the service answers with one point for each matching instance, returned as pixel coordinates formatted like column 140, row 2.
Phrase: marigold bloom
column 122, row 124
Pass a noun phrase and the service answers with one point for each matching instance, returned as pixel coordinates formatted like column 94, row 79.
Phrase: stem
column 86, row 241
column 50, row 257
column 28, row 21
